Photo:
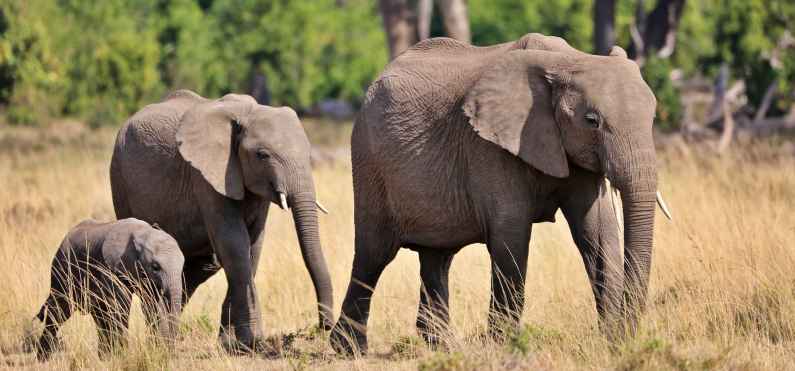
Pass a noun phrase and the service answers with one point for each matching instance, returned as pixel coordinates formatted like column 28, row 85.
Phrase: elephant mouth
column 280, row 198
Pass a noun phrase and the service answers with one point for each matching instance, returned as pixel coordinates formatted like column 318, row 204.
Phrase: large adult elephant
column 207, row 171
column 457, row 144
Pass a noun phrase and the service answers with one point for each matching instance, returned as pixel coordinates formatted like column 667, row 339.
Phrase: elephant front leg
column 508, row 247
column 111, row 313
column 256, row 231
column 241, row 307
column 230, row 240
column 595, row 229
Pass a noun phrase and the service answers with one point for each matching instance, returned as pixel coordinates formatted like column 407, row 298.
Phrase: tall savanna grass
column 722, row 288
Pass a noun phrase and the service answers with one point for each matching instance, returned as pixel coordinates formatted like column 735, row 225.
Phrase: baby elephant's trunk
column 169, row 326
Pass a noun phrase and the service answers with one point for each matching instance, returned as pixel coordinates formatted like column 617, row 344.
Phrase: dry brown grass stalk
column 722, row 288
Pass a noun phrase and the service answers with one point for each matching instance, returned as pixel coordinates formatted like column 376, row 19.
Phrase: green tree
column 190, row 53
column 33, row 72
column 307, row 50
column 498, row 21
column 113, row 60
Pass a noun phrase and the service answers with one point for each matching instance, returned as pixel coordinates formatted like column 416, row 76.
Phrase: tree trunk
column 604, row 26
column 400, row 25
column 424, row 15
column 657, row 30
column 456, row 20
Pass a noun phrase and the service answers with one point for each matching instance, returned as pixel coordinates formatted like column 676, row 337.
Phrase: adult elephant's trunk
column 635, row 176
column 306, row 227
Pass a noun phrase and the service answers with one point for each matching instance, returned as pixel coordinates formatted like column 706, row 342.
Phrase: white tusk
column 615, row 199
column 663, row 206
column 320, row 206
column 282, row 201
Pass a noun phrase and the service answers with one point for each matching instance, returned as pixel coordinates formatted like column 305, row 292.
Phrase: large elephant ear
column 206, row 140
column 511, row 105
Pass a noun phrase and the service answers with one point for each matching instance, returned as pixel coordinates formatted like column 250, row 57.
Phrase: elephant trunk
column 635, row 176
column 306, row 227
column 173, row 306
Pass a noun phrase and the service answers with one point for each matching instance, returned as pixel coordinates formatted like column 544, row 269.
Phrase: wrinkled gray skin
column 458, row 144
column 206, row 171
column 97, row 269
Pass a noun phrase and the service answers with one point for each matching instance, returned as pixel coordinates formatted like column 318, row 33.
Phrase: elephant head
column 238, row 145
column 153, row 262
column 560, row 107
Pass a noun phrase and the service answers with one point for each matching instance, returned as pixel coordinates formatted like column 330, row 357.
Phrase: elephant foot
column 347, row 340
column 241, row 346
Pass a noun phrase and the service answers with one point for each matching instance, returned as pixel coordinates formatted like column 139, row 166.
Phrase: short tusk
column 282, row 201
column 663, row 206
column 320, row 206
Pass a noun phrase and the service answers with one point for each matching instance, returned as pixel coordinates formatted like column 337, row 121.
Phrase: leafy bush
column 657, row 72
column 33, row 74
column 103, row 60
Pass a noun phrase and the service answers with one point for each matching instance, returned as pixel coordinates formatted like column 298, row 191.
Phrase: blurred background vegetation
column 99, row 61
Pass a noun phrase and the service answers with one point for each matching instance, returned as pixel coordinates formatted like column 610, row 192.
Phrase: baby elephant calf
column 97, row 269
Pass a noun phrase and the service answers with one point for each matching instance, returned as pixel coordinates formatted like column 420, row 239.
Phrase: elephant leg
column 508, row 248
column 433, row 314
column 196, row 271
column 374, row 250
column 111, row 317
column 256, row 231
column 55, row 311
column 594, row 228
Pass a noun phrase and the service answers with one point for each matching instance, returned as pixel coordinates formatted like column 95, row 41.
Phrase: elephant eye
column 593, row 119
column 156, row 267
column 262, row 155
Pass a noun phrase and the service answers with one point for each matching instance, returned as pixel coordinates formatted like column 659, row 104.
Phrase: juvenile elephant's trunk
column 174, row 307
column 306, row 227
column 635, row 176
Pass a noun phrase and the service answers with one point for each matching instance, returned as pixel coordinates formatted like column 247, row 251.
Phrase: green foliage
column 532, row 338
column 746, row 33
column 498, row 21
column 308, row 50
column 113, row 60
column 444, row 362
column 103, row 60
column 657, row 71
column 32, row 72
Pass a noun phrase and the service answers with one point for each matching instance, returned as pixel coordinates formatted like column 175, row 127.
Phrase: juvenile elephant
column 97, row 269
column 457, row 144
column 206, row 171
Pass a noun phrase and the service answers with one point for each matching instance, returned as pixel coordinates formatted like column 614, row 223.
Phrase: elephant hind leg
column 374, row 250
column 433, row 316
column 55, row 311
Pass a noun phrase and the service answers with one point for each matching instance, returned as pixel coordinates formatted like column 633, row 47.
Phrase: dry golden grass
column 722, row 290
